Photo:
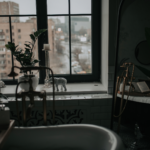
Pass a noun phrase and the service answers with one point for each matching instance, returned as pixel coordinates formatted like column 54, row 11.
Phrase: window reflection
column 17, row 7
column 80, row 6
column 57, row 6
column 22, row 30
column 81, row 44
column 5, row 59
column 59, row 43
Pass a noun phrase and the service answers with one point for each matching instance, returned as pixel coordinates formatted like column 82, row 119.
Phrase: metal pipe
column 30, row 92
column 116, row 57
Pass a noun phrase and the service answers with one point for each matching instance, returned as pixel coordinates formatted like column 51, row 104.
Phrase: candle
column 46, row 46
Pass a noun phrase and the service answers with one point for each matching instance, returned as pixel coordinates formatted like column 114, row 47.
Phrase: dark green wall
column 135, row 16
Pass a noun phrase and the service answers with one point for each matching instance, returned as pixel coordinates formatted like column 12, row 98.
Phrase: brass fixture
column 31, row 93
column 126, row 79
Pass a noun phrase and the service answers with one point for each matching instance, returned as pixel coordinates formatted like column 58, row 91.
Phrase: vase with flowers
column 26, row 58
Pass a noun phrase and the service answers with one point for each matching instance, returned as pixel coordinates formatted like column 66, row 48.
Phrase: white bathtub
column 63, row 137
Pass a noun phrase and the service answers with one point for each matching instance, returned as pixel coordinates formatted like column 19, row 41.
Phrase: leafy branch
column 3, row 96
column 25, row 57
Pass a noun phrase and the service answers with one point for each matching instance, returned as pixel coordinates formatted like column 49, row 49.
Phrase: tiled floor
column 128, row 137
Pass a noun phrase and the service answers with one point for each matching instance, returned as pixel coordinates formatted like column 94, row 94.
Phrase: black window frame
column 14, row 81
column 41, row 15
column 96, row 44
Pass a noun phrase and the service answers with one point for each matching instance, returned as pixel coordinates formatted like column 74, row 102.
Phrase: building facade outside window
column 19, row 36
column 19, row 43
column 2, row 43
column 75, row 52
column 15, row 22
column 7, row 37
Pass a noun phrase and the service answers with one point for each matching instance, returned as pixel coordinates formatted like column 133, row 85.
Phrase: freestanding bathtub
column 63, row 137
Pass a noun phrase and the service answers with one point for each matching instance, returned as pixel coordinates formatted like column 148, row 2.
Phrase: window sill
column 72, row 88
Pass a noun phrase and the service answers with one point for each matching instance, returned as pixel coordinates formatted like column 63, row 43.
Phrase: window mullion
column 69, row 36
column 11, row 41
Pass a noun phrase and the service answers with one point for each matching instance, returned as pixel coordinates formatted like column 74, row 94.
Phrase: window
column 2, row 62
column 2, row 56
column 1, row 49
column 3, row 75
column 19, row 36
column 2, row 37
column 2, row 43
column 19, row 43
column 7, row 37
column 73, row 35
column 74, row 54
column 3, row 68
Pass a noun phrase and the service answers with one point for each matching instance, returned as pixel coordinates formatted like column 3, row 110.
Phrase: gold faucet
column 31, row 93
column 126, row 79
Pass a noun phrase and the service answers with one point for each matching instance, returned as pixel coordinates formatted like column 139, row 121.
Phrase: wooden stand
column 146, row 94
column 5, row 132
column 31, row 94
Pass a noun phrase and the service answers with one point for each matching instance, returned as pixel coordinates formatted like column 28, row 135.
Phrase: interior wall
column 104, row 42
column 134, row 19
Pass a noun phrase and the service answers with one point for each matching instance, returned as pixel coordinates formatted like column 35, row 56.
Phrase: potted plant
column 26, row 58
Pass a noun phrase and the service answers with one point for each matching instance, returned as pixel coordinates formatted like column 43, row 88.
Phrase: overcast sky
column 54, row 7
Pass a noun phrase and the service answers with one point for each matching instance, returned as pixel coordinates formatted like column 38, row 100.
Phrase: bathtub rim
column 117, row 141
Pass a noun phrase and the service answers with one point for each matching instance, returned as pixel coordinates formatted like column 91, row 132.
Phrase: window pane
column 80, row 6
column 5, row 55
column 58, row 36
column 81, row 44
column 26, row 26
column 57, row 6
column 17, row 7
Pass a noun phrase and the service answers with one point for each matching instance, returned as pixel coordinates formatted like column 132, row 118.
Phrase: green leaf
column 21, row 55
column 29, row 42
column 27, row 45
column 145, row 71
column 3, row 96
column 16, row 53
column 27, row 50
column 16, row 46
column 32, row 37
column 35, row 61
column 37, row 33
column 11, row 46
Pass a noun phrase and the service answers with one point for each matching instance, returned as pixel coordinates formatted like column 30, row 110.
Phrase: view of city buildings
column 58, row 38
